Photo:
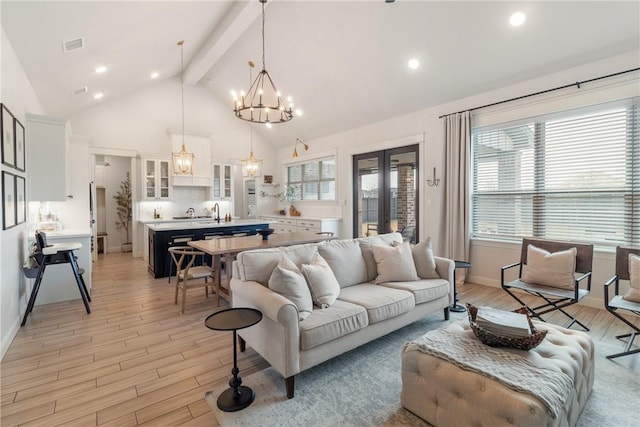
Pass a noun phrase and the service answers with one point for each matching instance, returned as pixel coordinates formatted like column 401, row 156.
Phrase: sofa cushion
column 289, row 282
column 423, row 290
column 367, row 252
column 381, row 302
column 394, row 263
column 345, row 259
column 258, row 264
column 330, row 323
column 550, row 269
column 322, row 282
column 424, row 261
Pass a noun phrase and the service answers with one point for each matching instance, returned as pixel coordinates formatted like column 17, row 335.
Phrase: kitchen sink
column 190, row 217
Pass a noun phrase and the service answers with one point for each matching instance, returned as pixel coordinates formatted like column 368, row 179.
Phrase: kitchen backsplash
column 183, row 198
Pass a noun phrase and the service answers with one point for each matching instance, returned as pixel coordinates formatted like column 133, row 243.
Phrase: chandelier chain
column 264, row 67
column 181, row 42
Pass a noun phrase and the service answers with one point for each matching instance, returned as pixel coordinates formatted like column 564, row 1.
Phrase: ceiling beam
column 240, row 16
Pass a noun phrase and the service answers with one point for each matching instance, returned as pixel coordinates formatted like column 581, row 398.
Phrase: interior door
column 385, row 192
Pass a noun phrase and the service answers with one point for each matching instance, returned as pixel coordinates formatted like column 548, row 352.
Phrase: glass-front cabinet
column 222, row 184
column 156, row 179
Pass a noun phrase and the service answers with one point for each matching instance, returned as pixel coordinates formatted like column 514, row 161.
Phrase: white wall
column 486, row 257
column 18, row 94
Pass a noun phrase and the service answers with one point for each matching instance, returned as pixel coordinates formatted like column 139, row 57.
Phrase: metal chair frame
column 556, row 299
column 618, row 303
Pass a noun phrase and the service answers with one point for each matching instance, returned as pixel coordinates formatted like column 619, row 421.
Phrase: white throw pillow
column 634, row 279
column 424, row 261
column 346, row 261
column 287, row 281
column 322, row 282
column 550, row 269
column 394, row 263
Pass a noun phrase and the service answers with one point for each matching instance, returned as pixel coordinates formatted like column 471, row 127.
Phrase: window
column 313, row 180
column 571, row 176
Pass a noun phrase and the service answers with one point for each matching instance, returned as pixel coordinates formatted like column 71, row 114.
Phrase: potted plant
column 289, row 195
column 123, row 210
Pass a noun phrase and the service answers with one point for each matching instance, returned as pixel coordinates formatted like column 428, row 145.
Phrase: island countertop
column 190, row 225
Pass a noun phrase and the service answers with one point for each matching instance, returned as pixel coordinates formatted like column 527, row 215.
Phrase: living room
column 117, row 125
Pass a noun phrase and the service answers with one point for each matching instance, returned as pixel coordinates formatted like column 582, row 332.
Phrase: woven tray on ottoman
column 445, row 394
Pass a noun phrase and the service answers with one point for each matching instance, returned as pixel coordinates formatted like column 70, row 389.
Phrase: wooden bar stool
column 60, row 253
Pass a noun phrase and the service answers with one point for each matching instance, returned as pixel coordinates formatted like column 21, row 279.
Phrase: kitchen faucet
column 191, row 213
column 216, row 209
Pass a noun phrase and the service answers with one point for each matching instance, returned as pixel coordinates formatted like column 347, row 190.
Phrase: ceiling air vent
column 80, row 91
column 74, row 44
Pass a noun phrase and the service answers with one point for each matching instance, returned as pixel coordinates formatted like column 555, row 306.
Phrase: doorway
column 385, row 192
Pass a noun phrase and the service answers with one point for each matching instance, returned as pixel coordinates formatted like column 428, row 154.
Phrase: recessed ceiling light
column 298, row 112
column 101, row 69
column 414, row 63
column 517, row 19
column 155, row 75
column 98, row 95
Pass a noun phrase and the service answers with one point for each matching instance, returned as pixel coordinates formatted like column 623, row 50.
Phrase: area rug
column 362, row 388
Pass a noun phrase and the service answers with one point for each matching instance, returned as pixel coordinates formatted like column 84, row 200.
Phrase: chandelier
column 251, row 167
column 182, row 160
column 262, row 103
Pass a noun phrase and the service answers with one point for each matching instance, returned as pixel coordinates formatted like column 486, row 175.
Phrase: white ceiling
column 344, row 62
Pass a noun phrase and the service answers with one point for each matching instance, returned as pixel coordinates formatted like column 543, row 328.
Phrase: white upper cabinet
column 200, row 145
column 222, row 182
column 47, row 142
column 156, row 179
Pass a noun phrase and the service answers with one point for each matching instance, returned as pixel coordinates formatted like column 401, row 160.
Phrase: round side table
column 455, row 307
column 237, row 396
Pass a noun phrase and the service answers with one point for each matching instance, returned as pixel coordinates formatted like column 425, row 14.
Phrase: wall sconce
column 435, row 181
column 295, row 146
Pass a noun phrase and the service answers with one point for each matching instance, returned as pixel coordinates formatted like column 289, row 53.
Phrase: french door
column 385, row 192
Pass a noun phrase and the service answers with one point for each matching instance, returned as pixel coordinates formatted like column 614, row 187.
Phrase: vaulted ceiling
column 343, row 62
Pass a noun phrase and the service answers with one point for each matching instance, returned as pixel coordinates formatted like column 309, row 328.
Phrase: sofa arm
column 445, row 268
column 271, row 304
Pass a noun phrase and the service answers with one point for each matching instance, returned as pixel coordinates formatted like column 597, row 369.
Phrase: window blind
column 569, row 176
column 313, row 180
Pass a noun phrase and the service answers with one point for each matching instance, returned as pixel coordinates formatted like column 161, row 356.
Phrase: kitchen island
column 161, row 233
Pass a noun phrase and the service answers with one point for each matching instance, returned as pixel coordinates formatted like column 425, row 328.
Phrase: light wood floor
column 135, row 360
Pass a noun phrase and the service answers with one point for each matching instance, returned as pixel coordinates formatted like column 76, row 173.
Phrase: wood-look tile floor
column 135, row 360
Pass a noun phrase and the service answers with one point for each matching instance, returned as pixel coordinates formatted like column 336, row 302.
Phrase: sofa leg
column 446, row 313
column 290, row 383
column 242, row 343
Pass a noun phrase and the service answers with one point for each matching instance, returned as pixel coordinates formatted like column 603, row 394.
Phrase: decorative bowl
column 265, row 232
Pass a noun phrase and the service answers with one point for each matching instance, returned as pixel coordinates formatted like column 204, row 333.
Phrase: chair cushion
column 550, row 269
column 424, row 261
column 634, row 279
column 322, row 282
column 424, row 290
column 381, row 302
column 394, row 263
column 330, row 323
column 289, row 282
column 345, row 259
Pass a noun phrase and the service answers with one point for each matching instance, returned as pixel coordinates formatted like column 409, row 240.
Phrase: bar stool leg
column 81, row 286
column 34, row 291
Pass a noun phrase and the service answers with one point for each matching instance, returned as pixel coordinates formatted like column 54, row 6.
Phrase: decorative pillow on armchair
column 424, row 261
column 322, row 282
column 395, row 263
column 634, row 279
column 550, row 269
column 289, row 282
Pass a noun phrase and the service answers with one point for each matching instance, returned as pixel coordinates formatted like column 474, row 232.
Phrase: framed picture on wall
column 21, row 200
column 18, row 134
column 8, row 148
column 8, row 200
column 268, row 179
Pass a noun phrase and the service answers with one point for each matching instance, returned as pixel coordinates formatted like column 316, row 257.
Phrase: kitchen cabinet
column 200, row 145
column 48, row 143
column 222, row 183
column 156, row 179
column 315, row 225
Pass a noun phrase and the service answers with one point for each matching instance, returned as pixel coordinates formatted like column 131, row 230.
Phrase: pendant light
column 251, row 167
column 262, row 103
column 182, row 160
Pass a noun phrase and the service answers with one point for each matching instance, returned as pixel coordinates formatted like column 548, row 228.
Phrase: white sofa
column 362, row 312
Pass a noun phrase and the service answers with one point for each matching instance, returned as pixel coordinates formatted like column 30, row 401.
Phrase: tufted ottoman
column 444, row 394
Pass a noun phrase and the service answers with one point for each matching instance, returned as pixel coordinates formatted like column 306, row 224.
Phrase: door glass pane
column 403, row 192
column 367, row 200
